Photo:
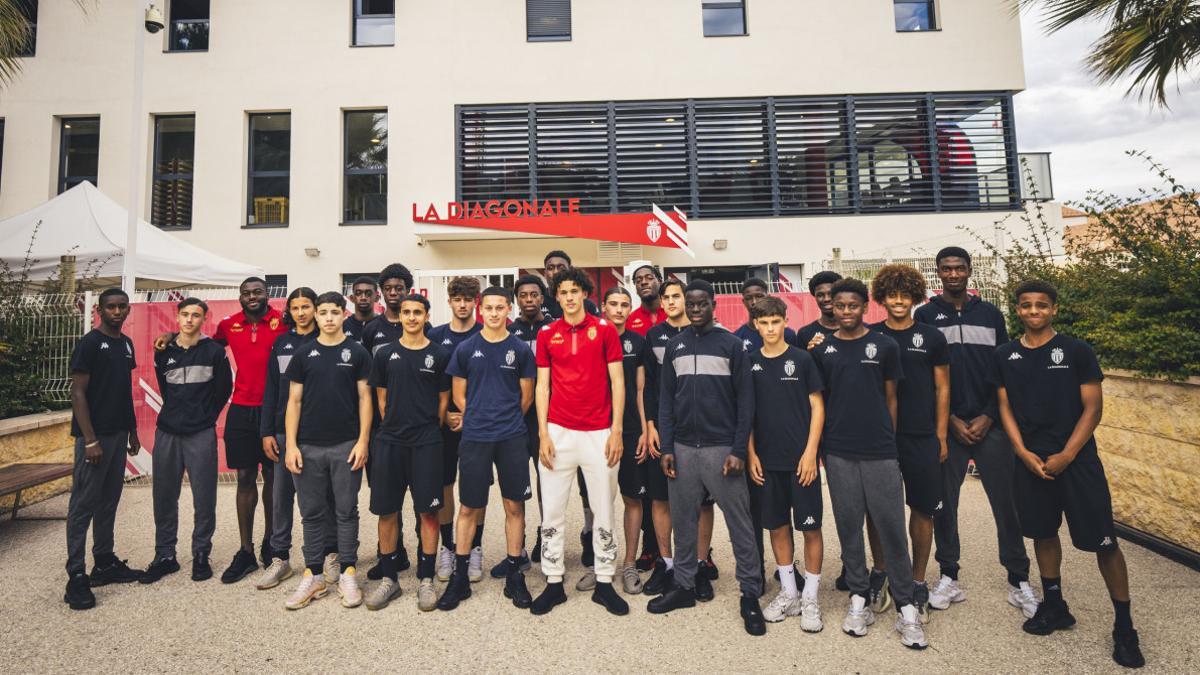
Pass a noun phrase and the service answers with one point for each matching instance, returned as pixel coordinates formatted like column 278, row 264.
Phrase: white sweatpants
column 585, row 450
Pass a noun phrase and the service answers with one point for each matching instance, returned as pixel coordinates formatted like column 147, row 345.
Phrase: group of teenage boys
column 660, row 404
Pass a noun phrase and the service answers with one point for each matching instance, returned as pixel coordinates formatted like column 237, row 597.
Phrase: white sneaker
column 276, row 573
column 1023, row 597
column 945, row 592
column 348, row 588
column 311, row 587
column 332, row 569
column 445, row 563
column 475, row 565
column 384, row 593
column 426, row 596
column 858, row 618
column 810, row 615
column 783, row 606
column 908, row 625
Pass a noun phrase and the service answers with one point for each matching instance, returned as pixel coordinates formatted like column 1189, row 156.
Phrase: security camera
column 154, row 19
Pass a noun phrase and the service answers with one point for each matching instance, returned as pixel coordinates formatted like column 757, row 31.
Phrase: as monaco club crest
column 510, row 357
column 429, row 360
column 789, row 367
column 653, row 229
column 628, row 347
column 871, row 350
column 345, row 355
column 1056, row 355
column 918, row 340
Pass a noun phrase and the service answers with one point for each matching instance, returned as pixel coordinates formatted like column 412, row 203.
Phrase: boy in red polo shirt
column 580, row 404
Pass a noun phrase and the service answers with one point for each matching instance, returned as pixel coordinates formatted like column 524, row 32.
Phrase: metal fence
column 58, row 320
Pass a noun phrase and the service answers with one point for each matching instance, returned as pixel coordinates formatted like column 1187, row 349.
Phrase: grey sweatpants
column 859, row 487
column 326, row 466
column 95, row 494
column 698, row 475
column 996, row 462
column 283, row 499
column 173, row 453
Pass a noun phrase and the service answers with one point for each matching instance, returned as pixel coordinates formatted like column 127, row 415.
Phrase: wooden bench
column 17, row 477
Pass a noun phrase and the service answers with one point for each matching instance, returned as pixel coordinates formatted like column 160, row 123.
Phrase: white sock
column 787, row 579
column 670, row 563
column 588, row 519
column 811, row 582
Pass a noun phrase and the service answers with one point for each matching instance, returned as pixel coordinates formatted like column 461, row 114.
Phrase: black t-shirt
column 781, row 408
column 656, row 342
column 354, row 328
column 1043, row 390
column 493, row 371
column 330, row 375
column 450, row 340
column 752, row 341
column 109, row 362
column 527, row 332
column 378, row 332
column 921, row 348
column 806, row 334
column 634, row 355
column 858, row 424
column 413, row 378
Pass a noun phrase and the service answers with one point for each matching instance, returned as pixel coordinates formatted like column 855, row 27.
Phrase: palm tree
column 1148, row 40
column 15, row 34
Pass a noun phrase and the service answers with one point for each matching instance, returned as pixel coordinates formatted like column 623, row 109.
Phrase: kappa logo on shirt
column 170, row 362
column 940, row 317
column 663, row 337
column 103, row 345
column 477, row 355
column 641, row 490
column 435, row 503
column 447, row 341
column 1015, row 356
column 313, row 353
column 528, row 491
column 939, row 506
column 809, row 521
column 1107, row 541
column 394, row 357
column 558, row 339
column 679, row 346
column 830, row 350
column 756, row 368
column 379, row 334
column 746, row 345
column 287, row 346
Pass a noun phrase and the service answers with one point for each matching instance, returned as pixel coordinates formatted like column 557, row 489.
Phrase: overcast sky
column 1087, row 126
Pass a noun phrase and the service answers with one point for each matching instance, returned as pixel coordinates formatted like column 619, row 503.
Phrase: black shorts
column 781, row 498
column 921, row 469
column 398, row 468
column 475, row 460
column 243, row 442
column 534, row 440
column 654, row 479
column 1080, row 492
column 631, row 476
column 450, row 442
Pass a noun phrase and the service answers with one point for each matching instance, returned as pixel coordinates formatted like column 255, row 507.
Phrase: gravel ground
column 177, row 625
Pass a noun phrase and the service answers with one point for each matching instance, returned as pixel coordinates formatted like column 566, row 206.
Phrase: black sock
column 317, row 569
column 514, row 562
column 425, row 565
column 447, row 535
column 328, row 550
column 460, row 565
column 1016, row 580
column 1123, row 623
column 478, row 540
column 1052, row 589
column 389, row 564
column 953, row 574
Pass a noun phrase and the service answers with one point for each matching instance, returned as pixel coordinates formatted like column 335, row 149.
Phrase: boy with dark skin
column 105, row 430
column 646, row 282
column 365, row 292
column 1050, row 401
column 821, row 287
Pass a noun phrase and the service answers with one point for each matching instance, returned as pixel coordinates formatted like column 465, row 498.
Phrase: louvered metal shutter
column 894, row 164
column 813, row 143
column 651, row 142
column 548, row 19
column 494, row 153
column 732, row 159
column 572, row 155
column 974, row 153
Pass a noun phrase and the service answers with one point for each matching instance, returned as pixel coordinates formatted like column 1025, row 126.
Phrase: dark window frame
column 155, row 176
column 935, row 24
column 62, row 153
column 1, row 154
column 171, row 23
column 355, row 16
column 972, row 135
column 277, row 285
column 725, row 4
column 548, row 37
column 347, row 172
column 251, row 174
column 30, row 48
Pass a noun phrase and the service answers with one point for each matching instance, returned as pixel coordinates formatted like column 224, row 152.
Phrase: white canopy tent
column 86, row 223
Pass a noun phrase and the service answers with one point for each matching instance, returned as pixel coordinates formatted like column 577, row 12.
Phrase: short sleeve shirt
column 782, row 411
column 493, row 371
column 752, row 341
column 352, row 327
column 414, row 379
column 922, row 348
column 578, row 358
column 377, row 332
column 858, row 424
column 641, row 321
column 330, row 375
column 807, row 333
column 250, row 344
column 634, row 354
column 1043, row 390
column 109, row 362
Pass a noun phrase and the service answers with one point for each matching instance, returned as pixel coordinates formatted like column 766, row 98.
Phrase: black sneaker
column 704, row 589
column 588, row 557
column 201, row 569
column 551, row 597
column 840, row 582
column 457, row 590
column 709, row 568
column 502, row 569
column 536, row 554
column 752, row 616
column 646, row 561
column 676, row 598
column 115, row 573
column 243, row 563
column 660, row 581
column 1126, row 650
column 1050, row 616
column 403, row 562
column 516, row 590
column 79, row 592
column 158, row 569
column 376, row 571
column 606, row 596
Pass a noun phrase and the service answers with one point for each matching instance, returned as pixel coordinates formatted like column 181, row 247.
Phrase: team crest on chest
column 510, row 357
column 872, row 350
column 789, row 367
column 628, row 347
column 592, row 333
column 274, row 324
column 429, row 360
column 918, row 340
column 1056, row 355
column 345, row 355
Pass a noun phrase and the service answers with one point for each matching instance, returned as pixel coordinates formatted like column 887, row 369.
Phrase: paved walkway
column 178, row 625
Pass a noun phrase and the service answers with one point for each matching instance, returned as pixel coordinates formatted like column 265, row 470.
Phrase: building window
column 28, row 9
column 1, row 147
column 915, row 15
column 374, row 22
column 747, row 157
column 724, row 18
column 189, row 26
column 78, row 152
column 547, row 20
column 270, row 162
column 277, row 285
column 174, row 154
column 364, row 191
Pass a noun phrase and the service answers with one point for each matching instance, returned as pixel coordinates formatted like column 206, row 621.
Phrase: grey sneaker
column 858, row 618
column 311, row 587
column 445, row 563
column 783, row 606
column 908, row 625
column 586, row 582
column 810, row 615
column 631, row 580
column 384, row 593
column 475, row 565
column 945, row 592
column 276, row 573
column 426, row 596
column 332, row 569
column 348, row 589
